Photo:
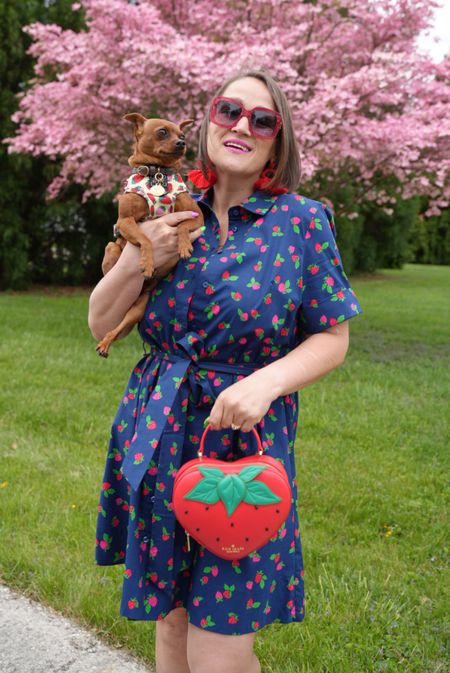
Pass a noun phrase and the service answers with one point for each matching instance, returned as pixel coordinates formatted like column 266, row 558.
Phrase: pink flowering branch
column 363, row 98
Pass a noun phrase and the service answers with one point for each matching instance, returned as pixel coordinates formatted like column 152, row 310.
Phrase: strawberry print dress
column 215, row 318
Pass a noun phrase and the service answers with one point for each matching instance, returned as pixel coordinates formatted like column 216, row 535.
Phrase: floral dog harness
column 157, row 205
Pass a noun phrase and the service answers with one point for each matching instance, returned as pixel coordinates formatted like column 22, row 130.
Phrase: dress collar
column 258, row 203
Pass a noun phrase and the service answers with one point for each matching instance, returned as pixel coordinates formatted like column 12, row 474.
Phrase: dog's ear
column 135, row 118
column 187, row 122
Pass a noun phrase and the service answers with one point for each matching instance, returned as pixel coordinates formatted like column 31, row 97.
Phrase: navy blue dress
column 217, row 317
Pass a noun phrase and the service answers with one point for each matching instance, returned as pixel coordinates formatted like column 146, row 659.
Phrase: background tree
column 40, row 241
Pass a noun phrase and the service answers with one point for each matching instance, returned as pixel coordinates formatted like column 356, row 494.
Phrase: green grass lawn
column 372, row 471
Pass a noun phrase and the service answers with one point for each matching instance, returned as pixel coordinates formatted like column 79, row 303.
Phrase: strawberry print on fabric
column 326, row 295
column 215, row 318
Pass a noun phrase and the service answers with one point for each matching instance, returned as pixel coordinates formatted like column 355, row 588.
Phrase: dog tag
column 157, row 190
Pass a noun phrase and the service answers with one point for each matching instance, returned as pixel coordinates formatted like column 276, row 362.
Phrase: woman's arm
column 245, row 402
column 119, row 289
column 115, row 293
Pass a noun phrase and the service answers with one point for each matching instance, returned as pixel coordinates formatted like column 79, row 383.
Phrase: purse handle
column 209, row 427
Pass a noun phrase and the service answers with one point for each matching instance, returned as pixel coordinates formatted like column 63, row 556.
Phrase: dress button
column 145, row 539
column 235, row 212
column 205, row 283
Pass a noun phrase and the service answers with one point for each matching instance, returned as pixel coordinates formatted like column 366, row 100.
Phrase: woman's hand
column 162, row 232
column 243, row 403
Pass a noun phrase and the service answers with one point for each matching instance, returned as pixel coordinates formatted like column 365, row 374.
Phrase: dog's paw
column 185, row 250
column 148, row 275
column 102, row 349
column 147, row 267
column 147, row 271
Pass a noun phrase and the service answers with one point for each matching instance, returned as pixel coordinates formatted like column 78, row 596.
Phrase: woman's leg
column 171, row 643
column 209, row 652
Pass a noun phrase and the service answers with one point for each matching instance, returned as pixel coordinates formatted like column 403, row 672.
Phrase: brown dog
column 154, row 188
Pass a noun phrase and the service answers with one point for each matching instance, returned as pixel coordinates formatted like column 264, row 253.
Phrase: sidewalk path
column 36, row 639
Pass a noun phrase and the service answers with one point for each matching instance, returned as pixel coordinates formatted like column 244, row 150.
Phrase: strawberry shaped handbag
column 231, row 508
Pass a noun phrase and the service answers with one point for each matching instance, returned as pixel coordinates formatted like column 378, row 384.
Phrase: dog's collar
column 151, row 170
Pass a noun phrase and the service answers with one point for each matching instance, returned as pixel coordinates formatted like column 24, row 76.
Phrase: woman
column 259, row 311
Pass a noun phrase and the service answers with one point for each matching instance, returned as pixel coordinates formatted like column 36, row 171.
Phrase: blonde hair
column 287, row 155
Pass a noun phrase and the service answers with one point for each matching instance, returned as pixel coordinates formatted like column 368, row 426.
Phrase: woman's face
column 250, row 160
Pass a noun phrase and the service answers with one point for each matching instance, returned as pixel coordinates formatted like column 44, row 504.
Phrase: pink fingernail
column 194, row 214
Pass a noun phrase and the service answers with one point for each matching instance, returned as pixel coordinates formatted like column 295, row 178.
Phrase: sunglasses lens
column 263, row 123
column 227, row 112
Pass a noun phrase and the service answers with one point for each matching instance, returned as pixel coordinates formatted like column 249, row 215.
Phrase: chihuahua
column 154, row 188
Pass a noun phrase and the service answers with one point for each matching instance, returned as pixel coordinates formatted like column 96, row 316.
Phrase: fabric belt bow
column 167, row 409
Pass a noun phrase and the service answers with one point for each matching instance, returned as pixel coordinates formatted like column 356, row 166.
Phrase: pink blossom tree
column 366, row 103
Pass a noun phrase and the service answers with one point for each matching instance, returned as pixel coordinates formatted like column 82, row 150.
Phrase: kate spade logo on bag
column 233, row 549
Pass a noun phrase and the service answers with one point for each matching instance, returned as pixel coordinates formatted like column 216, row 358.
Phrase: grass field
column 372, row 457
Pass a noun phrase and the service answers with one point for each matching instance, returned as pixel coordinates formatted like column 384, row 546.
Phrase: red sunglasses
column 264, row 123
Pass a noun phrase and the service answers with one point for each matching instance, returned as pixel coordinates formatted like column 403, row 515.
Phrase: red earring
column 198, row 179
column 265, row 177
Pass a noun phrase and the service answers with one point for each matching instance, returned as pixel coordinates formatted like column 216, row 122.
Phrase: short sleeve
column 327, row 298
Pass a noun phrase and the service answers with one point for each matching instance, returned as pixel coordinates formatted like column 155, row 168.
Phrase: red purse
column 231, row 508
